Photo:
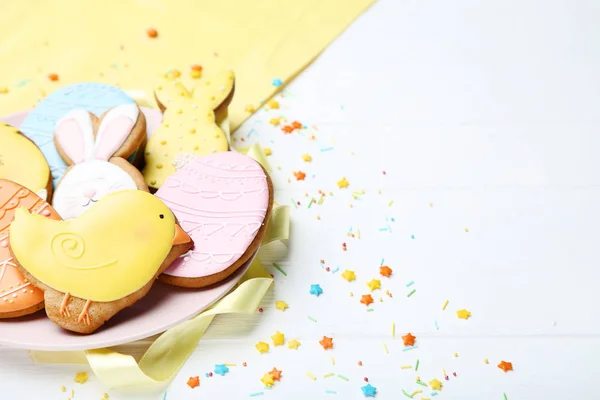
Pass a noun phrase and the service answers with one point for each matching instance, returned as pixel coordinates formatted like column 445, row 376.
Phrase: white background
column 490, row 110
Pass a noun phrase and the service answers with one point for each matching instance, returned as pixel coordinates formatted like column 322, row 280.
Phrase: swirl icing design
column 16, row 293
column 221, row 201
column 40, row 123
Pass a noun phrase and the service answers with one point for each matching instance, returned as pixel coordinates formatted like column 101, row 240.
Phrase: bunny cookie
column 189, row 126
column 96, row 150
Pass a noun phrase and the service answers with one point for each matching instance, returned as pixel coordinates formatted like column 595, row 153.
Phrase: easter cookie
column 92, row 97
column 96, row 151
column 18, row 296
column 223, row 201
column 189, row 126
column 93, row 266
column 22, row 162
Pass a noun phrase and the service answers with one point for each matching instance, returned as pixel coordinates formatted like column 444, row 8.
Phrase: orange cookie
column 18, row 296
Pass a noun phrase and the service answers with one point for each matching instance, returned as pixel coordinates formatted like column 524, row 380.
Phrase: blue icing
column 39, row 124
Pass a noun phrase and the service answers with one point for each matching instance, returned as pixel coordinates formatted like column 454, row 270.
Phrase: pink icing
column 220, row 200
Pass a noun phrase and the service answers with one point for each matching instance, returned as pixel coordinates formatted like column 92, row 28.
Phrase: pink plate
column 164, row 307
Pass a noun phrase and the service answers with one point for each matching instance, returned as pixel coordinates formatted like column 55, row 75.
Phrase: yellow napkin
column 106, row 41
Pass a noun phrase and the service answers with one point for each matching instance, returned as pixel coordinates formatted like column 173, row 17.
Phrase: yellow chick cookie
column 190, row 124
column 100, row 262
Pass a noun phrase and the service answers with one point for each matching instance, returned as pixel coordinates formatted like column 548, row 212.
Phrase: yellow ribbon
column 165, row 357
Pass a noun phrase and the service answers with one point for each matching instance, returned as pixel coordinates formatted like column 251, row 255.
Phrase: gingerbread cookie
column 93, row 266
column 189, row 124
column 96, row 98
column 18, row 296
column 22, row 162
column 96, row 151
column 223, row 201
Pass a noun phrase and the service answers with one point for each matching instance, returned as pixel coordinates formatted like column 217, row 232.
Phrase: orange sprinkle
column 366, row 299
column 53, row 77
column 152, row 33
column 296, row 125
column 288, row 128
column 276, row 374
column 505, row 366
column 193, row 382
column 409, row 339
column 299, row 175
column 197, row 67
column 385, row 270
column 326, row 342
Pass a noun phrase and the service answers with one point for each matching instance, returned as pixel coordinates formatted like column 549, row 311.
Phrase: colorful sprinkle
column 369, row 390
column 343, row 377
column 221, row 369
column 81, row 377
column 316, row 290
column 53, row 77
column 343, row 183
column 299, row 175
column 326, row 342
column 256, row 394
column 294, row 344
column 505, row 366
column 193, row 382
column 152, row 33
column 385, row 271
column 313, row 319
column 279, row 269
column 411, row 293
column 311, row 376
column 262, row 347
column 277, row 82
column 445, row 305
column 281, row 305
column 463, row 314
column 349, row 275
column 366, row 299
column 267, row 380
column 327, row 375
column 278, row 339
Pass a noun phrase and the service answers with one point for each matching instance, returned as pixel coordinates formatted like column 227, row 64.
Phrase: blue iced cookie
column 41, row 121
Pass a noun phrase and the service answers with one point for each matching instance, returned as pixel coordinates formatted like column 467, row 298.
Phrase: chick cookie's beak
column 180, row 236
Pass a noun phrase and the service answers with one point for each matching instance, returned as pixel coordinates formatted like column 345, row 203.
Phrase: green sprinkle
column 279, row 269
column 343, row 377
column 294, row 203
column 411, row 293
column 370, row 309
column 422, row 383
column 330, row 392
column 417, row 366
column 505, row 398
column 256, row 394
column 406, row 394
column 312, row 318
column 310, row 202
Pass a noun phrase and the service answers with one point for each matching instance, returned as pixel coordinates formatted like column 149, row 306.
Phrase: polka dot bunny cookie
column 190, row 124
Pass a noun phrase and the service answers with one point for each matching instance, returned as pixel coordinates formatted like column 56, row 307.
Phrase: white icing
column 85, row 132
column 112, row 136
column 100, row 176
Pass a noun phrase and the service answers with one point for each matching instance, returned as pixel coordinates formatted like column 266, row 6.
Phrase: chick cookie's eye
column 161, row 216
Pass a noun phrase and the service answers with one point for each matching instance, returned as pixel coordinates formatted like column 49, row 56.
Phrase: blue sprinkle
column 393, row 220
column 316, row 290
column 165, row 396
column 327, row 148
column 412, row 236
column 384, row 229
column 330, row 392
column 206, row 375
column 382, row 261
column 257, row 394
column 277, row 82
column 409, row 284
column 251, row 132
column 436, row 325
column 409, row 348
column 434, row 394
column 335, row 270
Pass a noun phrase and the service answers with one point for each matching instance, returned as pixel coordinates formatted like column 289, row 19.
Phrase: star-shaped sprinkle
column 262, row 347
column 366, row 299
column 316, row 290
column 307, row 157
column 464, row 314
column 267, row 380
column 299, row 175
column 435, row 384
column 267, row 151
column 281, row 305
column 273, row 104
column 221, row 369
column 275, row 374
column 81, row 377
column 374, row 284
column 385, row 270
column 275, row 121
column 505, row 366
column 326, row 342
column 194, row 381
column 278, row 338
column 348, row 275
column 409, row 339
column 369, row 390
column 343, row 183
column 293, row 344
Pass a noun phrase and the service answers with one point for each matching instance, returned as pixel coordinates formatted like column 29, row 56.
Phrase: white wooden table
column 485, row 116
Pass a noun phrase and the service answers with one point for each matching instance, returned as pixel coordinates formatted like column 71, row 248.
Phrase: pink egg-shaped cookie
column 223, row 201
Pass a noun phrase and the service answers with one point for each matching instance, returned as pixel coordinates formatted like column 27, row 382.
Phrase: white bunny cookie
column 96, row 150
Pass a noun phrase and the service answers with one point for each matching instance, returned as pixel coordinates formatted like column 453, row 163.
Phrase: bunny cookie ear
column 114, row 130
column 215, row 91
column 74, row 134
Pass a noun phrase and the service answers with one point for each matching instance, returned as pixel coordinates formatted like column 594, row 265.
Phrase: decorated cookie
column 223, row 201
column 189, row 125
column 93, row 266
column 95, row 150
column 22, row 162
column 93, row 97
column 18, row 296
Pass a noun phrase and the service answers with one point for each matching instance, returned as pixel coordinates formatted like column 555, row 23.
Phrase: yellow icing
column 21, row 161
column 107, row 253
column 188, row 126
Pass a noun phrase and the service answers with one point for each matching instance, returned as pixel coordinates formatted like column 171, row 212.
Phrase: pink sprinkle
column 4, row 243
column 46, row 213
